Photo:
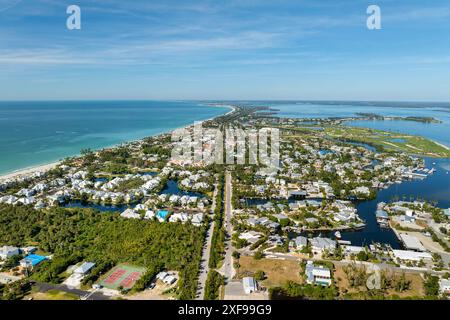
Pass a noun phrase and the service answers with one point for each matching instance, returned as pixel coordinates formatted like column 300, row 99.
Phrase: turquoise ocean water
column 34, row 133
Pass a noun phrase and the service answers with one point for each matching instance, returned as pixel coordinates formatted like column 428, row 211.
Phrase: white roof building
column 411, row 242
column 444, row 286
column 321, row 244
column 411, row 255
column 317, row 275
column 300, row 242
column 353, row 249
column 169, row 280
column 84, row 268
column 249, row 285
column 149, row 214
column 197, row 219
column 130, row 214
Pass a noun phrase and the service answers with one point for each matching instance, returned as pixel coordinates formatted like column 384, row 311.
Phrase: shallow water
column 34, row 133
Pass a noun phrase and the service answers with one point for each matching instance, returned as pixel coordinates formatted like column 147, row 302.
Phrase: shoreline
column 26, row 171
column 19, row 173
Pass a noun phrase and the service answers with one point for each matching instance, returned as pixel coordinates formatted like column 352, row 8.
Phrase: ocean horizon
column 34, row 133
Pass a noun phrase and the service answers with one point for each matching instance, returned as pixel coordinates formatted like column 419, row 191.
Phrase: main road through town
column 204, row 264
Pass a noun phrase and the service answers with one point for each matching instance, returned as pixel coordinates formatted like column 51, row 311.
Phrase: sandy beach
column 442, row 145
column 28, row 171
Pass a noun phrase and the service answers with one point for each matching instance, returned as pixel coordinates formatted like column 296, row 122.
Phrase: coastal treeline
column 75, row 235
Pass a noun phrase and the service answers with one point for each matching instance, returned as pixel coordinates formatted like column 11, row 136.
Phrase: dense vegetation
column 86, row 235
column 218, row 237
column 213, row 283
column 293, row 290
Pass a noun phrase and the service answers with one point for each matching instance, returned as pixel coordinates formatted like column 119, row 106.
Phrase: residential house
column 317, row 275
column 7, row 252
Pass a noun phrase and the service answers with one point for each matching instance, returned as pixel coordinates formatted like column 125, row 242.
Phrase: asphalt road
column 44, row 287
column 204, row 268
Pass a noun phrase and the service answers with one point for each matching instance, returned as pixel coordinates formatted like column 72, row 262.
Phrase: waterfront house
column 300, row 195
column 382, row 216
column 343, row 216
column 408, row 219
column 299, row 243
column 319, row 244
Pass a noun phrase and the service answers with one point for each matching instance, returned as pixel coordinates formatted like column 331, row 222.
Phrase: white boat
column 338, row 235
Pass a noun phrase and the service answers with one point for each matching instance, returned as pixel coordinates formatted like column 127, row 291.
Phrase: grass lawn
column 277, row 271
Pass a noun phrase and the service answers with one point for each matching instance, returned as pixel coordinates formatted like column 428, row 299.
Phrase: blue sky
column 225, row 49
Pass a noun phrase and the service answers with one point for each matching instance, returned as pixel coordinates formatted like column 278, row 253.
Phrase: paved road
column 44, row 287
column 227, row 268
column 204, row 268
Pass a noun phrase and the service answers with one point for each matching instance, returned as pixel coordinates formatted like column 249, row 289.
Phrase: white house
column 249, row 285
column 149, row 215
column 84, row 268
column 300, row 242
column 321, row 244
column 169, row 280
column 130, row 214
column 197, row 219
column 317, row 275
column 444, row 286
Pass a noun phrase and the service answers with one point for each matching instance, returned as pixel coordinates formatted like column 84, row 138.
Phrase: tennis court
column 122, row 275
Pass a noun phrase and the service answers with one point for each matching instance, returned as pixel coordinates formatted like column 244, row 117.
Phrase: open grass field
column 416, row 287
column 122, row 275
column 278, row 272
